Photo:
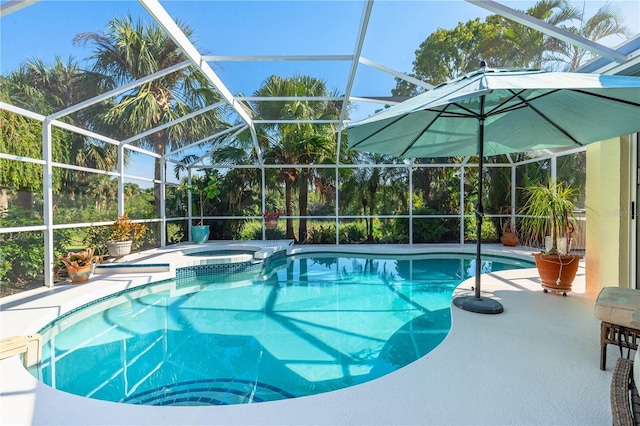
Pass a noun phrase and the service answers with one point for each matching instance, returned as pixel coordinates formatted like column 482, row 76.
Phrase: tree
column 19, row 136
column 607, row 21
column 299, row 143
column 22, row 136
column 361, row 188
column 240, row 192
column 128, row 51
column 447, row 54
column 47, row 88
column 522, row 46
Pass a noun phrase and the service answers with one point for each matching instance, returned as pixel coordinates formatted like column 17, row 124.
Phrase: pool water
column 312, row 324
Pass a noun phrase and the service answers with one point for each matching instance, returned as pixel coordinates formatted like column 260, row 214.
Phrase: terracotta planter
column 119, row 248
column 509, row 239
column 557, row 272
column 271, row 223
column 79, row 275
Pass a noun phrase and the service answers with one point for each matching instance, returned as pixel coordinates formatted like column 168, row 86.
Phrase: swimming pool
column 310, row 324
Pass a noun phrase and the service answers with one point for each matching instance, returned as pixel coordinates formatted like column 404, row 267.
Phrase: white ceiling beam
column 362, row 32
column 84, row 132
column 203, row 140
column 163, row 19
column 143, row 151
column 21, row 111
column 256, row 146
column 374, row 100
column 71, row 127
column 171, row 123
column 9, row 7
column 551, row 30
column 119, row 90
column 276, row 58
column 289, row 98
column 395, row 73
column 615, row 68
column 297, row 121
column 215, row 148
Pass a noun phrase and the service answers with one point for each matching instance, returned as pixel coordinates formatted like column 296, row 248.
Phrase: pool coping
column 385, row 400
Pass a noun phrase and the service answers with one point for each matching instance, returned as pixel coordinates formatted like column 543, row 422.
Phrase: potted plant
column 79, row 264
column 205, row 187
column 509, row 236
column 549, row 210
column 124, row 233
column 271, row 219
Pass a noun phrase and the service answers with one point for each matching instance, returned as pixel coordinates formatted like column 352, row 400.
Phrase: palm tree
column 48, row 88
column 128, row 51
column 104, row 190
column 241, row 189
column 607, row 21
column 361, row 188
column 299, row 143
column 523, row 46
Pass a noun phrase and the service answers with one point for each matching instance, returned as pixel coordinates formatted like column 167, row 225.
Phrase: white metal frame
column 619, row 63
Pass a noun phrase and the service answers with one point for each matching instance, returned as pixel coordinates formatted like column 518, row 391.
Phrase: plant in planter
column 509, row 236
column 79, row 264
column 124, row 234
column 549, row 209
column 205, row 187
column 271, row 219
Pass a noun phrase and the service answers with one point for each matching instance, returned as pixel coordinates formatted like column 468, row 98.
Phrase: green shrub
column 435, row 230
column 97, row 237
column 322, row 234
column 489, row 231
column 252, row 230
column 23, row 255
column 395, row 231
column 353, row 232
column 176, row 232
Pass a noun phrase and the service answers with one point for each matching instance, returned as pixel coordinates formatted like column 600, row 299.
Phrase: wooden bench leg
column 603, row 345
column 612, row 334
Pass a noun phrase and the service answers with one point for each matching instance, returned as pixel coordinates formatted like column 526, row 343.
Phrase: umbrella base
column 479, row 305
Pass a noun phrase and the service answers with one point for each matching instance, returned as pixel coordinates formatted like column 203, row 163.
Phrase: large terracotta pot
column 119, row 248
column 271, row 223
column 509, row 239
column 80, row 274
column 557, row 272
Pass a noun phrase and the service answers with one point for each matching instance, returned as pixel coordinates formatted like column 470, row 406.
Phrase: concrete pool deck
column 536, row 363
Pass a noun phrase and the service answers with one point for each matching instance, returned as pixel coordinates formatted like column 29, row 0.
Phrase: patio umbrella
column 498, row 111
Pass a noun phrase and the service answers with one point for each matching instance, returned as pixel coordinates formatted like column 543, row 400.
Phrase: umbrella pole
column 477, row 303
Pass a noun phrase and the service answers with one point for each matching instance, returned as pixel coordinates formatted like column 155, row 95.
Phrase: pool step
column 132, row 268
column 209, row 392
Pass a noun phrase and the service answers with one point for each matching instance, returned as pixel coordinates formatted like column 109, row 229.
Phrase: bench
column 619, row 311
column 625, row 401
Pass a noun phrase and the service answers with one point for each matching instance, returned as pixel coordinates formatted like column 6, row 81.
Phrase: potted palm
column 549, row 210
column 79, row 264
column 124, row 233
column 205, row 187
